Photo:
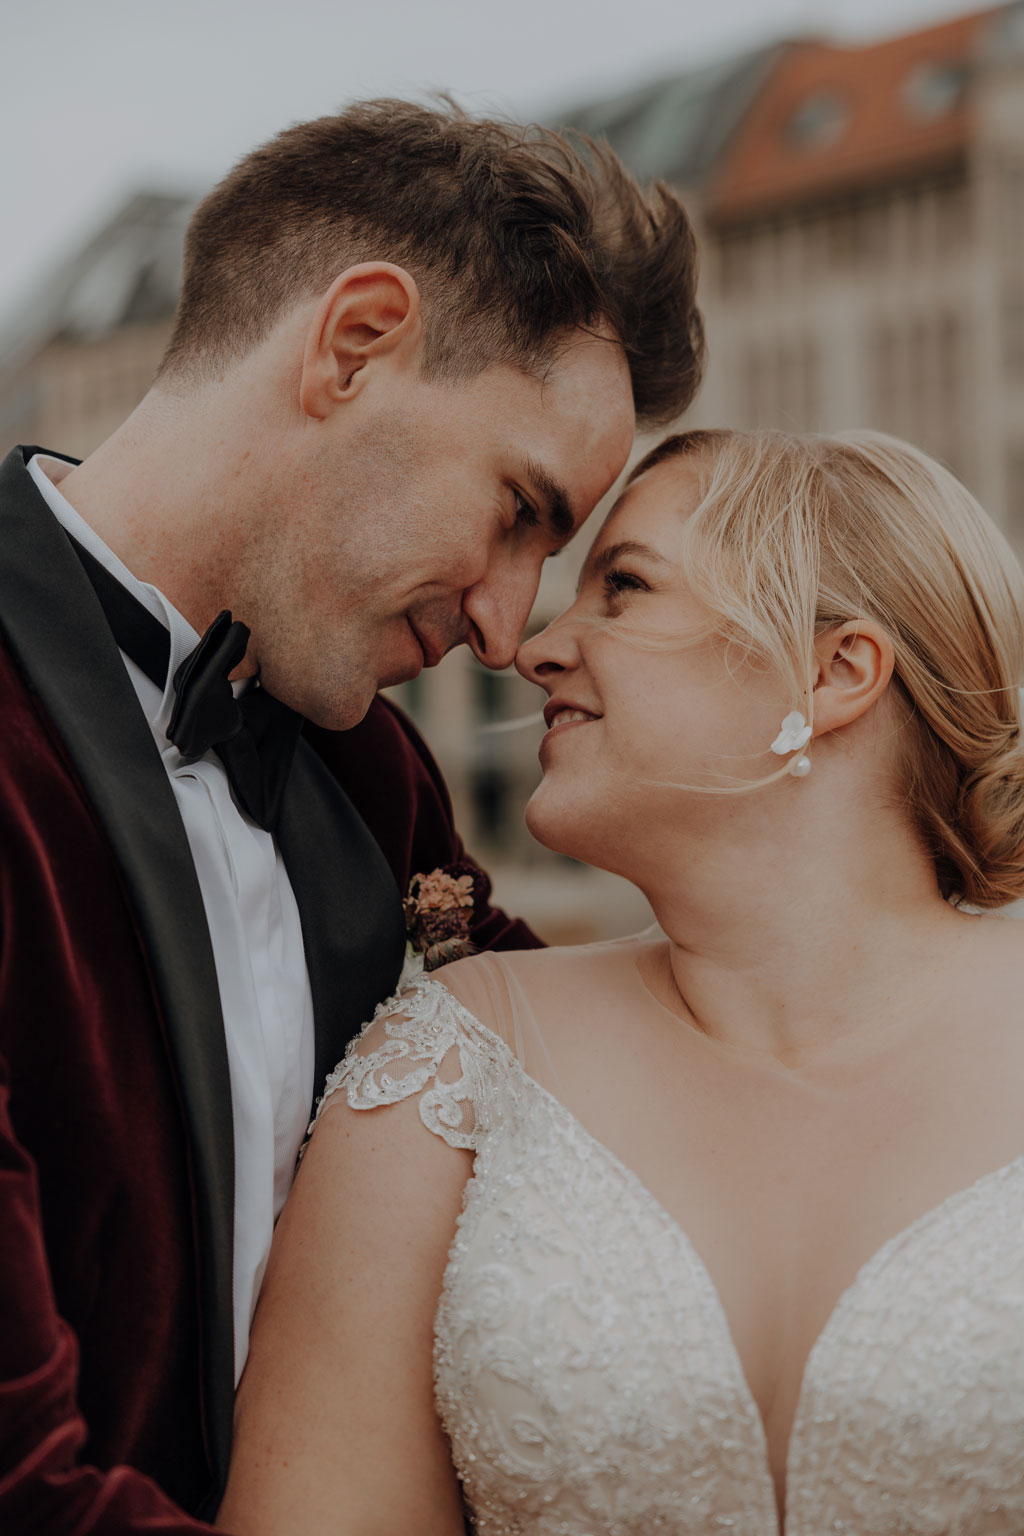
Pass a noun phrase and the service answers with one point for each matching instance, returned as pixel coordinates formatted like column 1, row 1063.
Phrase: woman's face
column 648, row 693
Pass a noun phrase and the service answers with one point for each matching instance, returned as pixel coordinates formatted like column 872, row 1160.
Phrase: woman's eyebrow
column 597, row 564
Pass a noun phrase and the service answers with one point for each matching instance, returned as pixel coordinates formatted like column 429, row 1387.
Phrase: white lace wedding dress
column 585, row 1371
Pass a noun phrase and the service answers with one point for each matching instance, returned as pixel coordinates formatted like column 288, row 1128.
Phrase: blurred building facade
column 861, row 217
column 865, row 262
column 78, row 356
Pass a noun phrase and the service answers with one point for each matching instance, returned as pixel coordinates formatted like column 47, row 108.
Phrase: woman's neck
column 791, row 942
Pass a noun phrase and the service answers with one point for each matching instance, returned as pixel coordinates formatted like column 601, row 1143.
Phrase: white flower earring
column 793, row 737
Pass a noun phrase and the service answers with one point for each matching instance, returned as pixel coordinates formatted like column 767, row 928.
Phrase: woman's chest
column 785, row 1186
column 581, row 1338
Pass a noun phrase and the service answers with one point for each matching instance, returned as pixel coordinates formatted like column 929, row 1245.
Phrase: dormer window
column 933, row 88
column 819, row 121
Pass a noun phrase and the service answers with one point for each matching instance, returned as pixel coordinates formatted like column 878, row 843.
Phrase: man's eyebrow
column 555, row 498
column 597, row 564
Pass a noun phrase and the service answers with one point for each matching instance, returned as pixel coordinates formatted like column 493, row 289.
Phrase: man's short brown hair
column 513, row 237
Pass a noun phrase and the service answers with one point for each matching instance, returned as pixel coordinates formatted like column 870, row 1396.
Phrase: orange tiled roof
column 869, row 115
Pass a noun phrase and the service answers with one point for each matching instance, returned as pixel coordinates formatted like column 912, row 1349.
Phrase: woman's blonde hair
column 797, row 535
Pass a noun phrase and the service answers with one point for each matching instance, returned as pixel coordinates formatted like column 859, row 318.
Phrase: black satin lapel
column 56, row 629
column 352, row 924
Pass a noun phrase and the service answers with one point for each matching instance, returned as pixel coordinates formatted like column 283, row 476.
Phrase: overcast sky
column 102, row 97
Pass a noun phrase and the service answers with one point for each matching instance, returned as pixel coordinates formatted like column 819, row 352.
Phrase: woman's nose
column 548, row 654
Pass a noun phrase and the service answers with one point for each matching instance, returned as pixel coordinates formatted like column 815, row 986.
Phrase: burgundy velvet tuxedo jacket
column 116, row 1146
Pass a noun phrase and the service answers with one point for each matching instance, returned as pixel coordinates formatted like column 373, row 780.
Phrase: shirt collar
column 46, row 473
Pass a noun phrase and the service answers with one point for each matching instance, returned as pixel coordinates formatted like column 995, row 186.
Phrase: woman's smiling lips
column 559, row 715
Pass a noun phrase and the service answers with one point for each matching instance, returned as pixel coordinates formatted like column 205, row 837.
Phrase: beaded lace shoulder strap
column 411, row 1035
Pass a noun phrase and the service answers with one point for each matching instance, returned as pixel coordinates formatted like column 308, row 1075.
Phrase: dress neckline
column 711, row 1301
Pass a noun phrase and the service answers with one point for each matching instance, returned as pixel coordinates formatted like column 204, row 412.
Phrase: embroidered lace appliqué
column 584, row 1369
column 420, row 1030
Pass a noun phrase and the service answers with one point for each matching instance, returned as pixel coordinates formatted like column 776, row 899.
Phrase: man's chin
column 344, row 711
column 398, row 676
column 340, row 713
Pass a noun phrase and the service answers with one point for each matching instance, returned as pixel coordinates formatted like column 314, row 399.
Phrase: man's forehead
column 590, row 373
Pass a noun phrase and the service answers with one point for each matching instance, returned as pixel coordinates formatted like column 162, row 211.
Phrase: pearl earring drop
column 800, row 767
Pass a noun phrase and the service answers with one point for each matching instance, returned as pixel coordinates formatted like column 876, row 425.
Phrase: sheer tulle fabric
column 585, row 1372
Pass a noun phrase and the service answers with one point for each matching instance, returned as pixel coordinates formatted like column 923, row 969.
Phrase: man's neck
column 162, row 509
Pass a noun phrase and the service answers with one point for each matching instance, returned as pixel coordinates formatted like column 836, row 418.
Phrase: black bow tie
column 254, row 736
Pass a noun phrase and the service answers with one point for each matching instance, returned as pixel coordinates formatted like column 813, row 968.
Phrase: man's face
column 423, row 519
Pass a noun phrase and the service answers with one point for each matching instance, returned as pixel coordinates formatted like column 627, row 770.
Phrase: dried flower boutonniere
column 439, row 913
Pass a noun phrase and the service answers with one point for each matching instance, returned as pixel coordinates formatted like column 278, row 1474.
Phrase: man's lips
column 432, row 649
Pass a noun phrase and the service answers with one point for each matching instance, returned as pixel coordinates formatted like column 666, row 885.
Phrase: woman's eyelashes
column 620, row 585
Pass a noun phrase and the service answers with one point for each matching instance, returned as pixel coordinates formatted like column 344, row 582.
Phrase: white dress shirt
column 257, row 944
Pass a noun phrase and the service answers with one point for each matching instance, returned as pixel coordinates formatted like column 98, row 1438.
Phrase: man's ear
column 370, row 312
column 855, row 664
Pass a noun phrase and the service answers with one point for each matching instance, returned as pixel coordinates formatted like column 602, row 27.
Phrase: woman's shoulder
column 992, row 946
column 992, row 967
column 424, row 1045
column 514, row 991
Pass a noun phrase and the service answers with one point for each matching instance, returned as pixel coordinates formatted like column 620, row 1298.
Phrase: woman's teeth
column 565, row 715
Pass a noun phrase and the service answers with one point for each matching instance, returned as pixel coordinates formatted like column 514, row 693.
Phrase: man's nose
column 498, row 612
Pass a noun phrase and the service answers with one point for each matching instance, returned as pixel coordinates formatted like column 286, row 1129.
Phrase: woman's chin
column 551, row 825
column 591, row 833
column 564, row 828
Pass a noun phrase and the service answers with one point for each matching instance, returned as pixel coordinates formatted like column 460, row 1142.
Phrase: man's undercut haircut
column 513, row 236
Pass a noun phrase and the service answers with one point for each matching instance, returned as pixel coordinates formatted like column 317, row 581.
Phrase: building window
column 819, row 121
column 490, row 692
column 953, row 218
column 490, row 790
column 735, row 265
column 933, row 88
column 918, row 381
column 782, row 385
column 1011, row 210
column 884, row 364
column 950, row 383
column 756, row 388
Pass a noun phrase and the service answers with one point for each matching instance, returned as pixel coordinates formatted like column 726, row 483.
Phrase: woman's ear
column 855, row 664
column 369, row 314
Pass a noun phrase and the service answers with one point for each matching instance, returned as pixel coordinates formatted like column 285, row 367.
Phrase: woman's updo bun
column 989, row 868
column 796, row 535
